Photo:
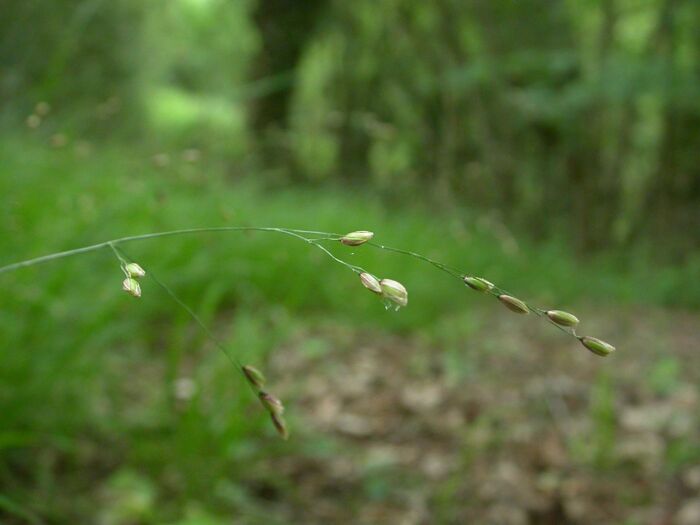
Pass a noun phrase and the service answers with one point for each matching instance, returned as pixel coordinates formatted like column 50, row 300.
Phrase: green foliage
column 589, row 111
column 507, row 139
column 75, row 54
column 664, row 376
column 569, row 116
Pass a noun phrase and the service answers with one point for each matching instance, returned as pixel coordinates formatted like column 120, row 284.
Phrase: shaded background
column 550, row 146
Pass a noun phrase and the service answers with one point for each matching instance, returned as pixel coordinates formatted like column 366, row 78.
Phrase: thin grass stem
column 316, row 239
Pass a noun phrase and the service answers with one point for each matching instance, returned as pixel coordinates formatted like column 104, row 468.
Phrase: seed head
column 254, row 376
column 356, row 238
column 394, row 291
column 132, row 287
column 280, row 425
column 135, row 271
column 478, row 284
column 271, row 403
column 513, row 304
column 597, row 346
column 562, row 318
column 370, row 282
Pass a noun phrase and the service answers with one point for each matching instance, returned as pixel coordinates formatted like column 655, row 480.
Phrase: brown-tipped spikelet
column 370, row 282
column 513, row 304
column 597, row 346
column 135, row 271
column 254, row 376
column 271, row 403
column 562, row 318
column 394, row 291
column 132, row 287
column 280, row 425
column 478, row 284
column 356, row 238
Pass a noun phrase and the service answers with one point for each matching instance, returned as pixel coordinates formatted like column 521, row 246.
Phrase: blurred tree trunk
column 597, row 185
column 285, row 27
column 513, row 124
column 659, row 197
column 673, row 197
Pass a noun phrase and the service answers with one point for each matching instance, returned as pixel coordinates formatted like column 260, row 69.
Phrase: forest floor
column 536, row 430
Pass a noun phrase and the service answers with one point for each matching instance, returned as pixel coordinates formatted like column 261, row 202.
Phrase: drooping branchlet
column 390, row 291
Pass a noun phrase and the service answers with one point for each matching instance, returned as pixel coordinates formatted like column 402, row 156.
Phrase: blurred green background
column 552, row 147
